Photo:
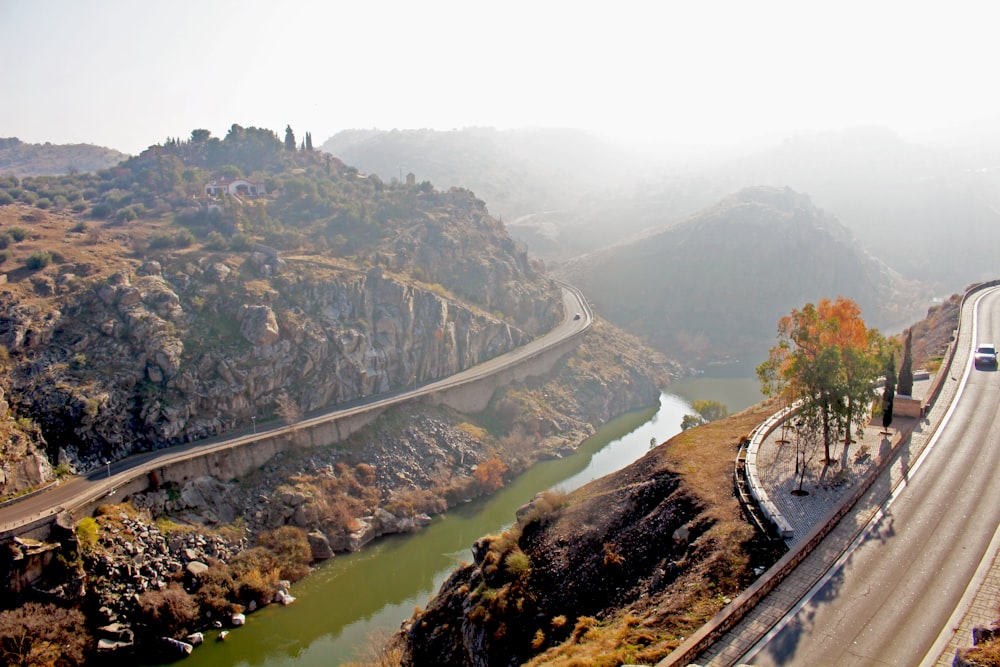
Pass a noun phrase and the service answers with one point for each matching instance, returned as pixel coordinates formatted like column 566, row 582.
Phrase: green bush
column 38, row 260
column 101, row 211
column 18, row 233
column 6, row 199
column 183, row 239
column 87, row 532
column 43, row 203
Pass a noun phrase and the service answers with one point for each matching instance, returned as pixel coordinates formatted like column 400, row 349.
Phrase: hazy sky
column 130, row 73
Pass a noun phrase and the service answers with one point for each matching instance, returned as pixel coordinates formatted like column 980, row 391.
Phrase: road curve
column 894, row 590
column 80, row 490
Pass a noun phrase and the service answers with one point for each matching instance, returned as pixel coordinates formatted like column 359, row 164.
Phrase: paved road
column 890, row 596
column 80, row 490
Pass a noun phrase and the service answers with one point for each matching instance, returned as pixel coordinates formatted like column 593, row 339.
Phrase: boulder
column 175, row 647
column 238, row 620
column 258, row 324
column 282, row 597
column 196, row 568
column 320, row 545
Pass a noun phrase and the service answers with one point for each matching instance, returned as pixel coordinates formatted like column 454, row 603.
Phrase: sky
column 128, row 74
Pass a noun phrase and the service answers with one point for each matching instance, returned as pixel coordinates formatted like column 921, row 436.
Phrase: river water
column 352, row 600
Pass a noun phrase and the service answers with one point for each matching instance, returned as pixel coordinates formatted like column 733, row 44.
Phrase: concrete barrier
column 237, row 457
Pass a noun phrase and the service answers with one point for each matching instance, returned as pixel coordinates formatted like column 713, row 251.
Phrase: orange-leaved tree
column 827, row 358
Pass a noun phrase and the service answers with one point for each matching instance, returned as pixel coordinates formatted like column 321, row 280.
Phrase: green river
column 351, row 600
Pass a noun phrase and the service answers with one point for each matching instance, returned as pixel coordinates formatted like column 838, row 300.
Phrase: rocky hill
column 714, row 286
column 156, row 315
column 23, row 159
column 616, row 572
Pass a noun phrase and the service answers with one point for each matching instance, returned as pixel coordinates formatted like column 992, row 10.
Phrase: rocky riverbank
column 178, row 559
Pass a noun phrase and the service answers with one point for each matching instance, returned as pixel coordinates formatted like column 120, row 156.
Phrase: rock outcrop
column 181, row 348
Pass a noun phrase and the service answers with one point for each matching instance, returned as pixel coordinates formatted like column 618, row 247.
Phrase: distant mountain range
column 930, row 211
column 22, row 159
column 517, row 172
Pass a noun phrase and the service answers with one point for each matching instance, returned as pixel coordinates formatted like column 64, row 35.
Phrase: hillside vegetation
column 139, row 312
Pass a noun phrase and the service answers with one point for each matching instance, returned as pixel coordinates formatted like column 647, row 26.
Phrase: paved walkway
column 827, row 487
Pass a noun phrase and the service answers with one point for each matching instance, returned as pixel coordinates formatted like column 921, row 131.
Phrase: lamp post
column 108, row 463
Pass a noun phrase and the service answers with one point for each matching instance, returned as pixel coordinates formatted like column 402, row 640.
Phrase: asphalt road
column 893, row 593
column 78, row 491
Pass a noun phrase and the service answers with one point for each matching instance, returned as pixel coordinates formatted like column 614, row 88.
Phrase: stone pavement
column 827, row 487
column 806, row 490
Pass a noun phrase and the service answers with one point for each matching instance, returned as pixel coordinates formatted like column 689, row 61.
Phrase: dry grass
column 717, row 569
column 51, row 232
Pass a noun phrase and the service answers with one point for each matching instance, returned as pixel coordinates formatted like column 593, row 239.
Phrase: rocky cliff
column 147, row 350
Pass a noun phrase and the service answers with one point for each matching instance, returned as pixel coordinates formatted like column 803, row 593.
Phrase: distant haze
column 127, row 74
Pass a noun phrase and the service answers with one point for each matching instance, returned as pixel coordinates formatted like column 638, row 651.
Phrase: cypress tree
column 906, row 368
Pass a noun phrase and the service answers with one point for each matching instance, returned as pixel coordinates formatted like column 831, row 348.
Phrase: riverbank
column 616, row 572
column 413, row 463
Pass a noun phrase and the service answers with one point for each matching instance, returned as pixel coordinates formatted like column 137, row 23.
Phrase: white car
column 986, row 355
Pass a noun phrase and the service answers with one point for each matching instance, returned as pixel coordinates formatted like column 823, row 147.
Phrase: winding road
column 894, row 596
column 81, row 490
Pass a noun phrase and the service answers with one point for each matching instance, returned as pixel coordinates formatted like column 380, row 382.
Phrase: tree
column 286, row 408
column 707, row 411
column 42, row 634
column 711, row 410
column 906, row 367
column 827, row 359
column 888, row 391
column 309, row 141
column 289, row 138
column 690, row 421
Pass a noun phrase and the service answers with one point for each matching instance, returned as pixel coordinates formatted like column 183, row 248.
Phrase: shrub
column 489, row 474
column 87, row 533
column 80, row 227
column 4, row 256
column 101, row 211
column 6, row 199
column 43, row 203
column 365, row 474
column 173, row 610
column 291, row 547
column 183, row 239
column 42, row 634
column 124, row 215
column 241, row 242
column 160, row 240
column 5, row 239
column 18, row 233
column 518, row 565
column 255, row 572
column 216, row 592
column 216, row 241
column 38, row 260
